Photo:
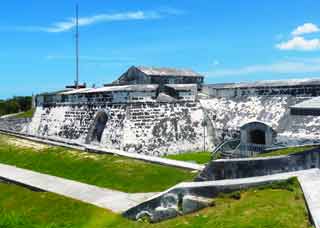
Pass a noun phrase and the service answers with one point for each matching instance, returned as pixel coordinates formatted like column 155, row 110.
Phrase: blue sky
column 229, row 40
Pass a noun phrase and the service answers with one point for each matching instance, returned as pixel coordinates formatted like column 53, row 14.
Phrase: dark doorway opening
column 258, row 137
column 95, row 133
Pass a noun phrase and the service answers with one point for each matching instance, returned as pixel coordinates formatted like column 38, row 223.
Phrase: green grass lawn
column 286, row 151
column 27, row 114
column 279, row 206
column 197, row 157
column 108, row 171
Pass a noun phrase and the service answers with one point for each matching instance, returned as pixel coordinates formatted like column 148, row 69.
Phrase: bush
column 15, row 104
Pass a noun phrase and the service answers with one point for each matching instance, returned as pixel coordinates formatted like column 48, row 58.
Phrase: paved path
column 113, row 200
column 310, row 184
column 97, row 149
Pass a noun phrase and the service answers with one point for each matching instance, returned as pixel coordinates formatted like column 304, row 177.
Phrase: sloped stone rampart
column 149, row 128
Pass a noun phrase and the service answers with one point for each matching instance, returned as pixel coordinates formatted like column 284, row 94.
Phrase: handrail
column 225, row 143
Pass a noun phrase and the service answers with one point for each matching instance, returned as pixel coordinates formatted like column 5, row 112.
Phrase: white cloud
column 70, row 23
column 305, row 28
column 299, row 43
column 282, row 67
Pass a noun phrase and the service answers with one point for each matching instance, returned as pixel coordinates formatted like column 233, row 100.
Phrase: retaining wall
column 189, row 197
column 250, row 167
column 14, row 124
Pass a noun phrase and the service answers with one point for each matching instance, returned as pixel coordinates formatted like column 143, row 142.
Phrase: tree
column 15, row 104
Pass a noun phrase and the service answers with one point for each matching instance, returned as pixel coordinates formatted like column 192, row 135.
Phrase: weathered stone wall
column 14, row 124
column 229, row 114
column 157, row 128
column 150, row 128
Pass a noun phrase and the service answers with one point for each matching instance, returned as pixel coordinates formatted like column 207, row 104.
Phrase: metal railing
column 257, row 148
column 236, row 149
column 228, row 145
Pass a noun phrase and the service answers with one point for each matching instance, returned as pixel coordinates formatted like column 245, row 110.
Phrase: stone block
column 161, row 214
column 192, row 203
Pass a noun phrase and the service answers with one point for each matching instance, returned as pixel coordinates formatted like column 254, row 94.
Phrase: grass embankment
column 196, row 157
column 27, row 114
column 205, row 157
column 108, row 171
column 276, row 206
column 287, row 151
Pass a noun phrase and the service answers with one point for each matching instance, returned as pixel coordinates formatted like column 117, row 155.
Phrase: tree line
column 15, row 104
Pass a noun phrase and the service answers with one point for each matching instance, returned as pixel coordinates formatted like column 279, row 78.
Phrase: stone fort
column 159, row 111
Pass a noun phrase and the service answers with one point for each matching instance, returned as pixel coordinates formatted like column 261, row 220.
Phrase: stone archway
column 97, row 127
column 258, row 133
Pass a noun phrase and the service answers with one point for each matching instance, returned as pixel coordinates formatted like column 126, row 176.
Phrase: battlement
column 120, row 94
column 300, row 87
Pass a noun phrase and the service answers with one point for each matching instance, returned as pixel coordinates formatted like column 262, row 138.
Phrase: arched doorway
column 258, row 133
column 97, row 128
column 257, row 136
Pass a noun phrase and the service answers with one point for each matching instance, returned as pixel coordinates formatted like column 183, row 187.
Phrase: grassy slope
column 286, row 151
column 27, row 114
column 198, row 157
column 102, row 170
column 257, row 208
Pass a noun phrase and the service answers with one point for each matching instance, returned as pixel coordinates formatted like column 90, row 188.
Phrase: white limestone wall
column 301, row 130
column 52, row 122
column 232, row 113
column 149, row 128
column 165, row 129
column 229, row 114
column 168, row 128
column 157, row 129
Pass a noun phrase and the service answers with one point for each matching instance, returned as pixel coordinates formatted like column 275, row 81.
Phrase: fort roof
column 75, row 91
column 313, row 103
column 128, row 88
column 164, row 71
column 182, row 86
column 267, row 83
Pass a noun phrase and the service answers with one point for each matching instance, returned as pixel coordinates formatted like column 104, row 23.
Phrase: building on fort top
column 137, row 84
column 160, row 76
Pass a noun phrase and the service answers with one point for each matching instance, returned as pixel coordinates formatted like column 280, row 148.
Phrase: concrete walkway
column 115, row 201
column 98, row 149
column 310, row 184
